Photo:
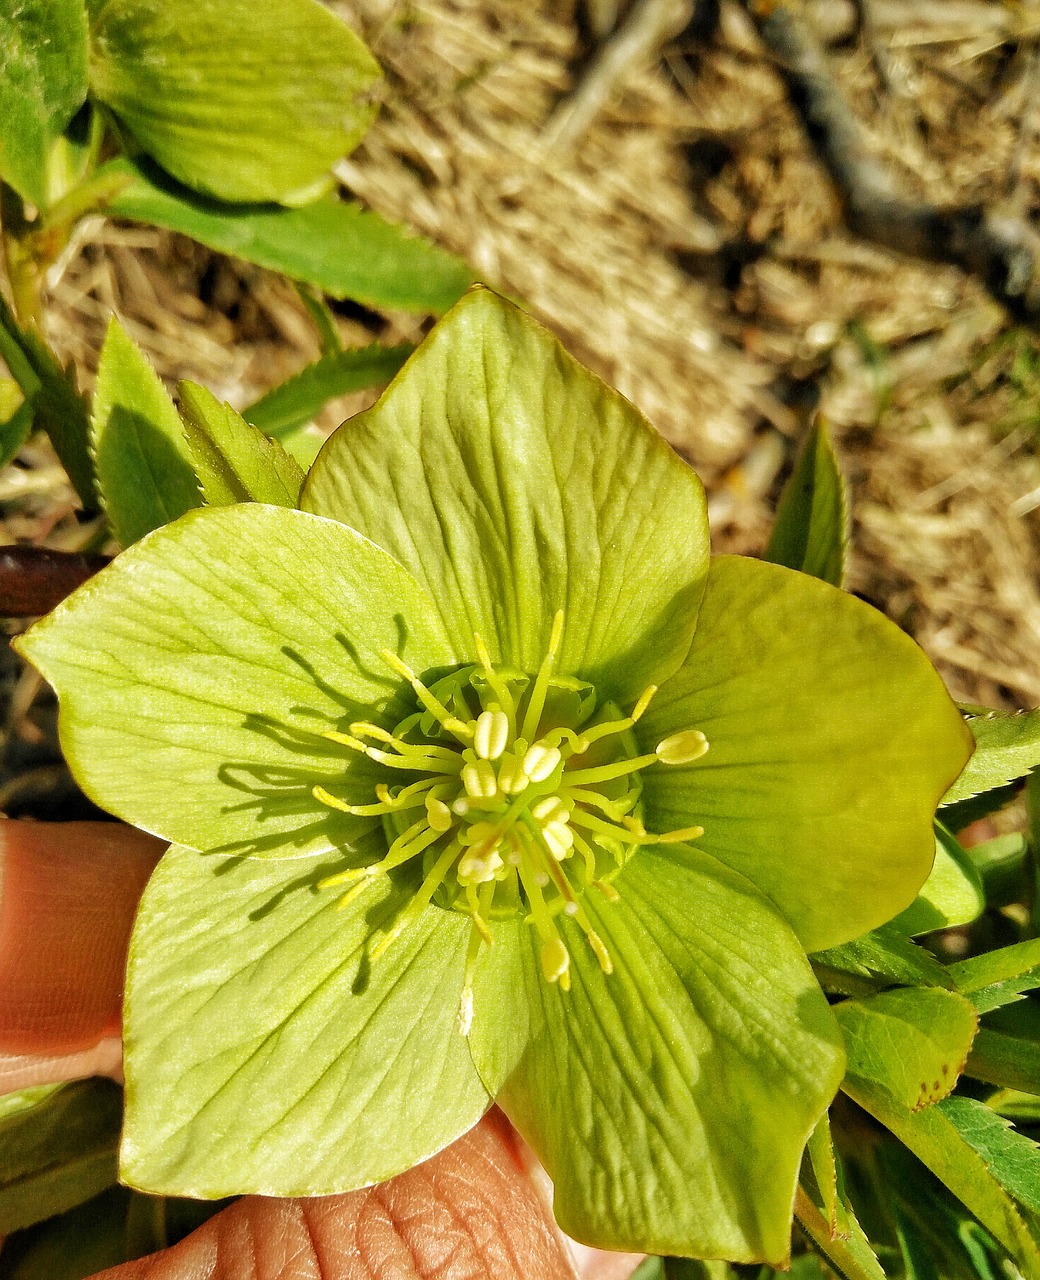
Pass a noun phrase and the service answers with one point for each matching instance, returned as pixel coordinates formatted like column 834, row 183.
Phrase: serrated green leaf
column 810, row 531
column 632, row 1085
column 1010, row 1061
column 300, row 398
column 934, row 1138
column 43, row 81
column 58, row 408
column 850, row 1253
column 913, row 1042
column 1012, row 1158
column 234, row 461
column 144, row 468
column 1007, row 747
column 340, row 248
column 15, row 427
column 266, row 1053
column 886, row 954
column 996, row 977
column 243, row 102
column 57, row 1149
column 819, row 1152
column 952, row 895
column 318, row 309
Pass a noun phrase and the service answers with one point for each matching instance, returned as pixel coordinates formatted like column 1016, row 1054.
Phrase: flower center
column 524, row 794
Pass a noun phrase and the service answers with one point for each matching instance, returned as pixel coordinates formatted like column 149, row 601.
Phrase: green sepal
column 233, row 460
column 300, row 398
column 57, row 1149
column 512, row 483
column 197, row 673
column 952, row 895
column 266, row 1053
column 1007, row 747
column 810, row 532
column 346, row 251
column 830, row 740
column 43, row 81
column 144, row 468
column 241, row 102
column 670, row 1100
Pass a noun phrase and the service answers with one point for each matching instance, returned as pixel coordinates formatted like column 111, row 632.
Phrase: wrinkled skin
column 474, row 1212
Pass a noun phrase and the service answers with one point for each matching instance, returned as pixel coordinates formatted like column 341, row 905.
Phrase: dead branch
column 1000, row 249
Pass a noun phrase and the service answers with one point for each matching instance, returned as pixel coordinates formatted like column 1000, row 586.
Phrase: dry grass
column 691, row 251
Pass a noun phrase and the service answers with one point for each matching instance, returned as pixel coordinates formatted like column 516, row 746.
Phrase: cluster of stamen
column 525, row 795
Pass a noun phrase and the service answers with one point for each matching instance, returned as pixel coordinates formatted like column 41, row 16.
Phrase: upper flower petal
column 198, row 671
column 831, row 740
column 512, row 483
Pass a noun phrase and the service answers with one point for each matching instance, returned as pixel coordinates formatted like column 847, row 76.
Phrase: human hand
column 476, row 1211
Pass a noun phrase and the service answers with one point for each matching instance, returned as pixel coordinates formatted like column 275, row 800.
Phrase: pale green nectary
column 484, row 784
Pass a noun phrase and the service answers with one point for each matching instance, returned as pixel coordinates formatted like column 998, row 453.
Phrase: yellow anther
column 491, row 734
column 682, row 748
column 344, row 739
column 602, row 954
column 540, row 761
column 479, row 779
column 549, row 809
column 478, row 868
column 645, row 699
column 559, row 838
column 607, row 890
column 681, row 836
column 511, row 777
column 438, row 815
column 324, row 797
column 433, row 705
column 555, row 961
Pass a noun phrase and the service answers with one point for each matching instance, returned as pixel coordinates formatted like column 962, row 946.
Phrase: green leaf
column 512, row 483
column 1010, row 1061
column 1001, row 863
column 300, row 398
column 266, row 1053
column 340, row 248
column 1007, row 747
column 830, row 738
column 913, row 1042
column 144, row 468
column 43, row 81
column 824, row 1172
column 884, row 953
column 810, row 532
column 670, row 1100
column 324, row 321
column 57, row 1149
column 232, row 459
column 197, row 673
column 850, row 1254
column 58, row 408
column 243, row 102
column 17, row 420
column 996, row 977
column 934, row 1137
column 74, row 1245
column 1012, row 1158
column 953, row 893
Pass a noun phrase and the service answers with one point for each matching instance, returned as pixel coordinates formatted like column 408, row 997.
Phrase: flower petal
column 512, row 483
column 670, row 1100
column 197, row 673
column 831, row 739
column 264, row 1053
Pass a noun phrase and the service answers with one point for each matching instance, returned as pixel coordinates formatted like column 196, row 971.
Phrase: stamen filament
column 536, row 702
column 420, row 901
column 607, row 772
column 433, row 705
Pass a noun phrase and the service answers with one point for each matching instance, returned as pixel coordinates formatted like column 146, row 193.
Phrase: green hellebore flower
column 484, row 784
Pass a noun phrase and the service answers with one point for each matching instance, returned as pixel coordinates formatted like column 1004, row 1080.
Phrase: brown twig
column 35, row 579
column 1002, row 250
